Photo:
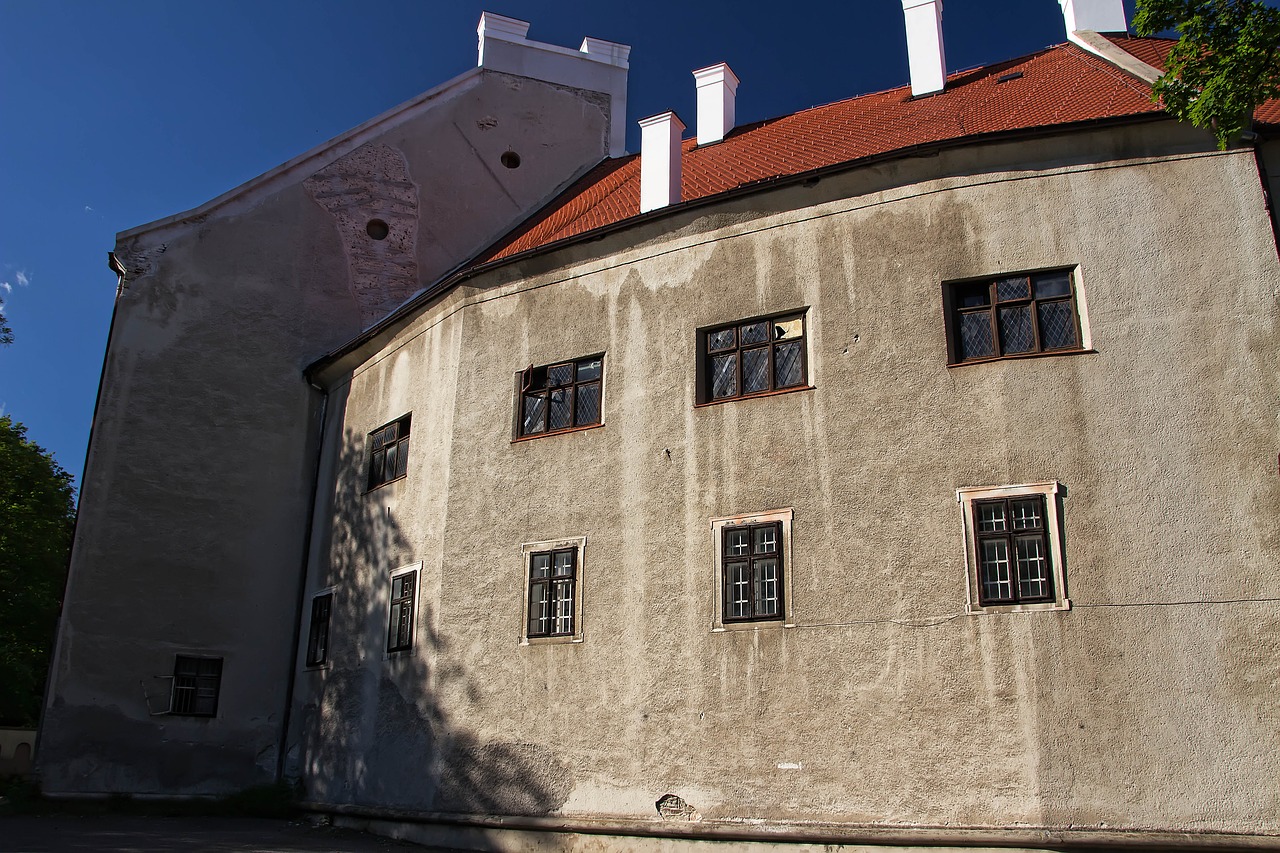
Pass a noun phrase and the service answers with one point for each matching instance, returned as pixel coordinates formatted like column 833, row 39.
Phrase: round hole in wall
column 511, row 159
column 377, row 229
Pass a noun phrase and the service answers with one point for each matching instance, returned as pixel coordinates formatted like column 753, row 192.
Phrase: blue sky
column 118, row 113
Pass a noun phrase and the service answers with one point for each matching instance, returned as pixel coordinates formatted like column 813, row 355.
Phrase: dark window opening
column 553, row 581
column 389, row 452
column 751, row 567
column 560, row 397
column 752, row 357
column 318, row 637
column 196, row 683
column 1012, row 316
column 400, row 621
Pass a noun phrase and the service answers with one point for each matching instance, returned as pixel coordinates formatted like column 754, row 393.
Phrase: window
column 404, row 589
column 196, row 682
column 752, row 357
column 553, row 591
column 1013, row 547
column 753, row 561
column 389, row 452
column 560, row 397
column 1014, row 315
column 318, row 636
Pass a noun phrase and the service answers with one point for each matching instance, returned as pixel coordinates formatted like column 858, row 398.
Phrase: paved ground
column 120, row 834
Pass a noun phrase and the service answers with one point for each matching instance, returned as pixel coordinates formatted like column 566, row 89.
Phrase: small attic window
column 510, row 159
column 1012, row 75
column 377, row 229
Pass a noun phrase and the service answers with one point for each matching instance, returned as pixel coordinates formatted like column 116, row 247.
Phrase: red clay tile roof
column 1057, row 86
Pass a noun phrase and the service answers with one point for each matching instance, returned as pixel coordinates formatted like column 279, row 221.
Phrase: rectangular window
column 553, row 590
column 196, row 683
column 404, row 589
column 318, row 636
column 752, row 555
column 752, row 357
column 1013, row 547
column 389, row 452
column 1009, row 316
column 560, row 397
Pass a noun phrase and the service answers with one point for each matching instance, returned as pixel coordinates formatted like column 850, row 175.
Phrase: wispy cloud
column 6, row 287
column 22, row 278
column 88, row 209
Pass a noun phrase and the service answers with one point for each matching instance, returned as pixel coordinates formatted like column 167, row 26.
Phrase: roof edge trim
column 1099, row 45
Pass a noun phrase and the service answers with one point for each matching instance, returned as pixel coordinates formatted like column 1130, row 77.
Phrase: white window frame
column 1053, row 492
column 718, row 525
column 579, row 543
column 416, row 570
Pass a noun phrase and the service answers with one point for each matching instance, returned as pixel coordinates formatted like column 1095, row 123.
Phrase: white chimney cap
column 660, row 171
column 1100, row 16
column 717, row 87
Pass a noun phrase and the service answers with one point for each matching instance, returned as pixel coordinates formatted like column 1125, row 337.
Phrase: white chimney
column 1100, row 16
column 660, row 161
column 924, row 45
column 717, row 93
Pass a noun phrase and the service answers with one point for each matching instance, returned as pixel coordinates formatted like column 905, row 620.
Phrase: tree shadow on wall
column 373, row 728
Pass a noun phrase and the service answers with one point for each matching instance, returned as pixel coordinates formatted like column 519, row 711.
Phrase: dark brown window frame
column 551, row 581
column 318, row 634
column 400, row 615
column 750, row 559
column 197, row 683
column 707, row 356
column 394, row 433
column 525, row 391
column 954, row 311
column 1009, row 534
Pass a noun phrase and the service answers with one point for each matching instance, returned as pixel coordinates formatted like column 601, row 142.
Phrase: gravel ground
column 128, row 834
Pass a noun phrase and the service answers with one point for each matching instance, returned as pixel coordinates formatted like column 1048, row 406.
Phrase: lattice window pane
column 1016, row 333
column 991, row 518
column 562, row 602
column 724, row 376
column 975, row 335
column 560, row 374
column 539, row 608
column 723, row 339
column 767, row 591
column 402, row 458
column 1033, row 568
column 996, row 582
column 1057, row 325
column 588, row 403
column 755, row 333
column 561, row 414
column 737, row 591
column 535, row 414
column 788, row 369
column 1013, row 288
column 755, row 370
column 1027, row 515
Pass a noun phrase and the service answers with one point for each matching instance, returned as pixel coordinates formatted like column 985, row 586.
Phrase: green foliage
column 1226, row 62
column 37, row 515
column 6, row 334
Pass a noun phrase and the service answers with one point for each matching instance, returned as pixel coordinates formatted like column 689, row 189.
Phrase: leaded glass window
column 560, row 397
column 389, row 452
column 1013, row 315
column 1014, row 566
column 753, row 357
column 751, row 556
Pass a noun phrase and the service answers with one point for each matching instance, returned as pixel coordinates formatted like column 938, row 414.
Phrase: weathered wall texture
column 191, row 535
column 1148, row 705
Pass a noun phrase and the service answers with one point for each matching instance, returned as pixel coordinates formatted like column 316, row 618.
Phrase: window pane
column 737, row 541
column 1026, row 514
column 560, row 374
column 787, row 329
column 540, row 566
column 1013, row 288
column 1016, row 334
column 588, row 402
column 737, row 591
column 1052, row 284
column 723, row 339
column 766, row 540
column 766, row 580
column 996, row 583
column 755, row 370
column 535, row 414
column 724, row 376
column 402, row 463
column 787, row 368
column 562, row 564
column 1033, row 568
column 375, row 468
column 973, row 295
column 388, row 471
column 561, row 416
column 975, row 335
column 536, row 379
column 755, row 333
column 991, row 517
column 539, row 609
column 562, row 607
column 1057, row 325
column 589, row 369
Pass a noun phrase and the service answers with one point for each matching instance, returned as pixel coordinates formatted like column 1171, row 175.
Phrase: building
column 900, row 471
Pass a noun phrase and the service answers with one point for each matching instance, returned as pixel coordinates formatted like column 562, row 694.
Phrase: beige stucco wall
column 1148, row 705
column 192, row 529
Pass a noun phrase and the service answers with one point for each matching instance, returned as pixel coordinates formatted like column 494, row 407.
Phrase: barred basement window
column 753, row 559
column 318, row 636
column 196, row 683
column 560, row 397
column 752, row 357
column 404, row 588
column 1011, row 316
column 1013, row 547
column 389, row 452
column 553, row 590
